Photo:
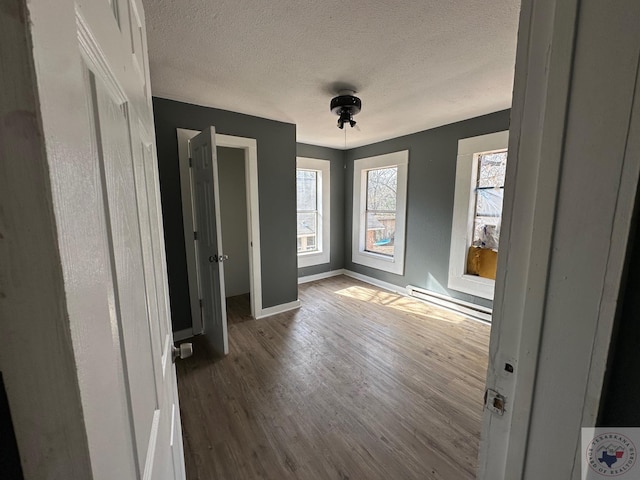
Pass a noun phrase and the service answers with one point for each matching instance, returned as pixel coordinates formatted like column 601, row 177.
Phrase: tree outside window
column 380, row 228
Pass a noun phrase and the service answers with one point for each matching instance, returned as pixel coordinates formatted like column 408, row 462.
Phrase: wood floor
column 359, row 383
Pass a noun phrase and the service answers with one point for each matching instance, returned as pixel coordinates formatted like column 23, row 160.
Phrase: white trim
column 449, row 298
column 249, row 146
column 166, row 353
column 470, row 310
column 377, row 283
column 463, row 207
column 323, row 169
column 151, row 447
column 444, row 301
column 276, row 309
column 321, row 276
column 186, row 189
column 558, row 281
column 180, row 335
column 359, row 255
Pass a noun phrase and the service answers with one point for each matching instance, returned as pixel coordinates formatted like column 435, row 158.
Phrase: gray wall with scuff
column 430, row 194
column 233, row 220
column 277, row 196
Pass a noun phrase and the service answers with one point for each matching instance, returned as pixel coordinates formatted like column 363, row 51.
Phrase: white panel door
column 209, row 256
column 134, row 302
column 91, row 63
column 134, row 236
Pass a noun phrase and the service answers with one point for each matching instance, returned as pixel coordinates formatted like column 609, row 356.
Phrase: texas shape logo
column 611, row 454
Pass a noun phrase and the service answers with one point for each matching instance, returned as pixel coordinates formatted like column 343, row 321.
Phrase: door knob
column 222, row 258
column 213, row 258
column 183, row 351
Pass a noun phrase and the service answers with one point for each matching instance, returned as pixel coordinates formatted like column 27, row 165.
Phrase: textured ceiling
column 415, row 64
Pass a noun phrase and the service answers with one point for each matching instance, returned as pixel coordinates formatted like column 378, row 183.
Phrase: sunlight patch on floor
column 399, row 302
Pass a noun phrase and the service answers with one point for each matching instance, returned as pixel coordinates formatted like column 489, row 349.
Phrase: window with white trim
column 313, row 214
column 477, row 213
column 379, row 211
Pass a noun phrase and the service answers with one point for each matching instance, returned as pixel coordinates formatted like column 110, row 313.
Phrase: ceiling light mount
column 346, row 105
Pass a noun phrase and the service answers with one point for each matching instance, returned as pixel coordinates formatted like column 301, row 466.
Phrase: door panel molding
column 78, row 130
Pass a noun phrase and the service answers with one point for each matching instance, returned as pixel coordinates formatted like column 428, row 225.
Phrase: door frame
column 250, row 149
column 559, row 277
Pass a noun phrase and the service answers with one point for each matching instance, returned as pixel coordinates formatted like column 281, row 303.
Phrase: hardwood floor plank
column 359, row 383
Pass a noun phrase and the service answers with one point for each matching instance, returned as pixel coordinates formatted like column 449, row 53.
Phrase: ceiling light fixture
column 346, row 106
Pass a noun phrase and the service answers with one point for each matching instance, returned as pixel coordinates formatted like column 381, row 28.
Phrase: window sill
column 473, row 285
column 379, row 262
column 312, row 258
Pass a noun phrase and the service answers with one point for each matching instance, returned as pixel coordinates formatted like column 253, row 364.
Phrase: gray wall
column 336, row 157
column 430, row 190
column 233, row 220
column 277, row 196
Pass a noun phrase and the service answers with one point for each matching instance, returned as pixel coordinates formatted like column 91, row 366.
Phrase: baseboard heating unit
column 476, row 312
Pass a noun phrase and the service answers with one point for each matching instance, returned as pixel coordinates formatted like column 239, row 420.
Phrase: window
column 477, row 213
column 312, row 194
column 488, row 195
column 379, row 211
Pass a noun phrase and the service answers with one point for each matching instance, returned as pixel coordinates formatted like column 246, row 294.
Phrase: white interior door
column 93, row 92
column 209, row 253
column 134, row 230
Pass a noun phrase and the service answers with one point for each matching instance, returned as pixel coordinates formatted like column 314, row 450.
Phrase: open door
column 208, row 238
column 92, row 389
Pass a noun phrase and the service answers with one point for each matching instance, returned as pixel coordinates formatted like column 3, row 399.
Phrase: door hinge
column 195, row 235
column 200, row 301
column 190, row 162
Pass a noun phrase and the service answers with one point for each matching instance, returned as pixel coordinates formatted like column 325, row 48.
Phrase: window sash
column 387, row 256
column 476, row 219
column 303, row 246
column 316, row 249
column 464, row 211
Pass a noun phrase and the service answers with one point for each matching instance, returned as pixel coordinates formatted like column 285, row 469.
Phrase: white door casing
column 249, row 147
column 90, row 65
column 570, row 194
column 209, row 248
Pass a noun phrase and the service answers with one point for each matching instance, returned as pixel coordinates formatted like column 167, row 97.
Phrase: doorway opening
column 240, row 223
column 234, row 226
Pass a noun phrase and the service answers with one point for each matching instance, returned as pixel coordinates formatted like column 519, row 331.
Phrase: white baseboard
column 411, row 290
column 469, row 310
column 375, row 282
column 320, row 276
column 182, row 334
column 285, row 307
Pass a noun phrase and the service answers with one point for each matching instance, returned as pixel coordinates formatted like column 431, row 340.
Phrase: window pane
column 491, row 169
column 489, row 202
column 380, row 230
column 307, row 189
column 307, row 231
column 382, row 186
